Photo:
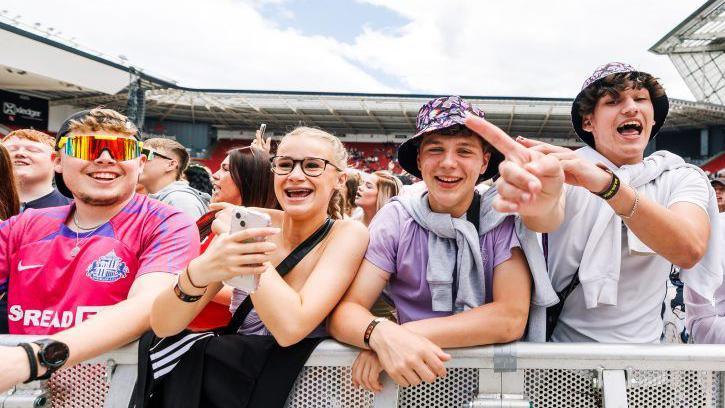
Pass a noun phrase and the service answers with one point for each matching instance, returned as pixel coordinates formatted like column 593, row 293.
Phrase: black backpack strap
column 283, row 268
column 553, row 312
column 473, row 214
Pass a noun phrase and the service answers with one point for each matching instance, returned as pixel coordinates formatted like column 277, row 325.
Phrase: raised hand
column 261, row 143
column 407, row 357
column 531, row 182
column 577, row 171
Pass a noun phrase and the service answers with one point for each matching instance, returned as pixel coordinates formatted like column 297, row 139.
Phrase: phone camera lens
column 238, row 215
column 242, row 223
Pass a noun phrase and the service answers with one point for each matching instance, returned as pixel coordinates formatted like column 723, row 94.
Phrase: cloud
column 520, row 48
column 511, row 48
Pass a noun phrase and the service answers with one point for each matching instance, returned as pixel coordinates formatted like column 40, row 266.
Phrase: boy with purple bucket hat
column 627, row 217
column 459, row 273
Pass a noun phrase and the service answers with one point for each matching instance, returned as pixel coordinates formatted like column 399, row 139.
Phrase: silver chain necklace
column 77, row 247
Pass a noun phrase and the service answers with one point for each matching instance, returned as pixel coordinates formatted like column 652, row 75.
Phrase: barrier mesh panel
column 674, row 389
column 327, row 387
column 84, row 385
column 458, row 387
column 561, row 388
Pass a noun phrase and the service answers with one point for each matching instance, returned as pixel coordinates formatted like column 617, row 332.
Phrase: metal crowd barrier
column 511, row 375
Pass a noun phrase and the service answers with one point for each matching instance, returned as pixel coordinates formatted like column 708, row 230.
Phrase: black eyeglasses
column 311, row 166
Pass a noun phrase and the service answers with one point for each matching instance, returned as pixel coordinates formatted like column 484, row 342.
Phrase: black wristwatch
column 52, row 355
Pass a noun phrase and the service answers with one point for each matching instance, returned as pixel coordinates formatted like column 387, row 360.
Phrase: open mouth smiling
column 630, row 128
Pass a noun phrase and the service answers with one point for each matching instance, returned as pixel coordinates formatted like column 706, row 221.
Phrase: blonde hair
column 32, row 135
column 388, row 187
column 173, row 147
column 102, row 119
column 339, row 159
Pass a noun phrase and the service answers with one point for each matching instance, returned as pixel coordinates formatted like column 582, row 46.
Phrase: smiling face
column 103, row 181
column 622, row 125
column 223, row 188
column 367, row 192
column 450, row 166
column 32, row 161
column 301, row 195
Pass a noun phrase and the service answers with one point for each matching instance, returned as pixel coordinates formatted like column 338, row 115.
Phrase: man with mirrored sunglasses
column 104, row 256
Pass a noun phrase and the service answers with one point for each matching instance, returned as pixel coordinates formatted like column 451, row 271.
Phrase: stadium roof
column 702, row 31
column 38, row 63
column 697, row 49
column 390, row 114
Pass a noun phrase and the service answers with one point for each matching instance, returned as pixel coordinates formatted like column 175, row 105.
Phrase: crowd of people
column 108, row 238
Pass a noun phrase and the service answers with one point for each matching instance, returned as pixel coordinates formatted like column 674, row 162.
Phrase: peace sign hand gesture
column 531, row 182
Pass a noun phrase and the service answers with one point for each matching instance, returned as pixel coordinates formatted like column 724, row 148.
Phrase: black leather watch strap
column 31, row 360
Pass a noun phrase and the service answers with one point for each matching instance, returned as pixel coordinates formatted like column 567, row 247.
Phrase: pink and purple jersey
column 49, row 290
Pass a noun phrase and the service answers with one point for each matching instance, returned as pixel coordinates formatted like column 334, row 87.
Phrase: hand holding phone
column 243, row 218
column 260, row 142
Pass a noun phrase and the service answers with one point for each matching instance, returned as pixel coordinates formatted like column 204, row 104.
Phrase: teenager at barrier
column 103, row 258
column 305, row 265
column 454, row 268
column 627, row 217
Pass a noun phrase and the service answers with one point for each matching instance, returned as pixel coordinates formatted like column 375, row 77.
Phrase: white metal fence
column 512, row 375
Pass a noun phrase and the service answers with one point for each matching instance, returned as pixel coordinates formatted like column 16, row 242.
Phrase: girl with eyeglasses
column 308, row 172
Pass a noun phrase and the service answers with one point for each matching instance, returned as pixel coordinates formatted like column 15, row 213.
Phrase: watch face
column 55, row 354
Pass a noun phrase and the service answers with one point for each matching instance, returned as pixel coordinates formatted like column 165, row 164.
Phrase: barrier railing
column 512, row 375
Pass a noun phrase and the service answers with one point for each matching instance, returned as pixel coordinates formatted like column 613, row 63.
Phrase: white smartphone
column 243, row 218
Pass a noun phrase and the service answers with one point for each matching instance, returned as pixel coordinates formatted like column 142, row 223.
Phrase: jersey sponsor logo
column 51, row 318
column 22, row 267
column 108, row 268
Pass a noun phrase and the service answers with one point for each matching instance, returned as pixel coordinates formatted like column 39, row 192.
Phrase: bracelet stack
column 185, row 297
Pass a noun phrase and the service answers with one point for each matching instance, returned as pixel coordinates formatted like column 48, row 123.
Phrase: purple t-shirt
column 399, row 246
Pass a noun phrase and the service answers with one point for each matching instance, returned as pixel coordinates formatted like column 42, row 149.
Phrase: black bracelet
column 32, row 360
column 370, row 328
column 184, row 297
column 613, row 187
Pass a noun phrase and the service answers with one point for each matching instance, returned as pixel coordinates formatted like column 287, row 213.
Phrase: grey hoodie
column 184, row 197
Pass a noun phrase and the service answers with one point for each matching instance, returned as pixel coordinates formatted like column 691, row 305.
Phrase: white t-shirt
column 643, row 278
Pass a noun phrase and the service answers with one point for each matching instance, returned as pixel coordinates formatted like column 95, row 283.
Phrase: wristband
column 370, row 328
column 32, row 360
column 613, row 187
column 185, row 297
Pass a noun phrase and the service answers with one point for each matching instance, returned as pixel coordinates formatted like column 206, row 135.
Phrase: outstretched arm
column 111, row 328
column 679, row 232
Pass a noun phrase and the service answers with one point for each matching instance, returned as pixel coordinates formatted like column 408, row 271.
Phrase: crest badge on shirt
column 108, row 268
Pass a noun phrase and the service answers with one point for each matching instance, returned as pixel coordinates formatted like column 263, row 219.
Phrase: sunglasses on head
column 91, row 147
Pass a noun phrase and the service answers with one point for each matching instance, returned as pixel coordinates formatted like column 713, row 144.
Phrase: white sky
column 475, row 47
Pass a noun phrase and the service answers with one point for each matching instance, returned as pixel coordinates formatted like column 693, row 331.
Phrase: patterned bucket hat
column 438, row 114
column 660, row 104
